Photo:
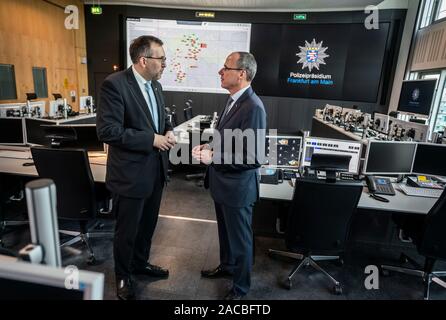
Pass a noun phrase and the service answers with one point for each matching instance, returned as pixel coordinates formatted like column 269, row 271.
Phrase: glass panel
column 7, row 82
column 440, row 123
column 413, row 75
column 441, row 10
column 429, row 76
column 427, row 13
column 40, row 84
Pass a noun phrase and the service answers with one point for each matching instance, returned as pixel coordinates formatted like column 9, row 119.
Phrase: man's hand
column 202, row 153
column 171, row 137
column 196, row 151
column 206, row 156
column 162, row 142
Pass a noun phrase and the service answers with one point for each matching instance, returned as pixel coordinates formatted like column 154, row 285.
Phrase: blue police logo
column 312, row 55
column 415, row 94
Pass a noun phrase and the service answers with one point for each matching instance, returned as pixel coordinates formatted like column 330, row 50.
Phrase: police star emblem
column 312, row 55
column 415, row 94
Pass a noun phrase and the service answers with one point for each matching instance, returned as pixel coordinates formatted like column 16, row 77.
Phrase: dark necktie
column 227, row 109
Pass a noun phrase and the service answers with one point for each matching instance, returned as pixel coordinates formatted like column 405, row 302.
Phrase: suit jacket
column 124, row 122
column 237, row 185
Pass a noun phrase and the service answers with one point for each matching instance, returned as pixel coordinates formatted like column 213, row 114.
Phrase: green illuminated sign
column 300, row 16
column 96, row 10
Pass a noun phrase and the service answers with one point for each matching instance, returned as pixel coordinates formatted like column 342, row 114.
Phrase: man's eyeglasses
column 163, row 59
column 225, row 68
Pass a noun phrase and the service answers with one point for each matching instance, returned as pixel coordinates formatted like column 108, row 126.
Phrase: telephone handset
column 379, row 185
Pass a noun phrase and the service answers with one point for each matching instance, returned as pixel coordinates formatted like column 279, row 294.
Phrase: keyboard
column 420, row 192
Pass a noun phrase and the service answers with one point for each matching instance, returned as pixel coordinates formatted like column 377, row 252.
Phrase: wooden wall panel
column 33, row 34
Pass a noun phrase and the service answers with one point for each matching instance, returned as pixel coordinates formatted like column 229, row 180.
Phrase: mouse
column 28, row 164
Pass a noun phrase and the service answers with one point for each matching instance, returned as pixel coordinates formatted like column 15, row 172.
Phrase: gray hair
column 247, row 62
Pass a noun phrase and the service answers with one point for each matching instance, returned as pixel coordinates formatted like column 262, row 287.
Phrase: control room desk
column 15, row 166
column 372, row 225
column 398, row 203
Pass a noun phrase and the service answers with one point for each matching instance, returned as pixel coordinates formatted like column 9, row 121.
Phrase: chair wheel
column 337, row 290
column 91, row 260
column 288, row 284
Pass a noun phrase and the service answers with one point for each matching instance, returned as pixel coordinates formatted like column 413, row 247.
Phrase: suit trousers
column 136, row 219
column 236, row 241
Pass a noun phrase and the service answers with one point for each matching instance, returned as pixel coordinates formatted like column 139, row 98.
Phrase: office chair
column 427, row 233
column 77, row 196
column 172, row 114
column 188, row 114
column 12, row 199
column 318, row 224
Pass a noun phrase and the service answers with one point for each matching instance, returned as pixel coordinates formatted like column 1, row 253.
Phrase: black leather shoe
column 124, row 289
column 232, row 295
column 153, row 271
column 218, row 272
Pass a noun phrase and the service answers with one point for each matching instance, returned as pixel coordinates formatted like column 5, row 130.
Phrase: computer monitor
column 313, row 145
column 416, row 96
column 283, row 151
column 389, row 157
column 25, row 281
column 85, row 102
column 12, row 131
column 76, row 136
column 31, row 96
column 430, row 159
column 35, row 132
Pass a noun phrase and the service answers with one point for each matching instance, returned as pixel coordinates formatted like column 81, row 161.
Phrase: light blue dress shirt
column 149, row 96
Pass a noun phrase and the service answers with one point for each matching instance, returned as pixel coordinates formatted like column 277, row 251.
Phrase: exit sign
column 96, row 10
column 300, row 16
column 202, row 14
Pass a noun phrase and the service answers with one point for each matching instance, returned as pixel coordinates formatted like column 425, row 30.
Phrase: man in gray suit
column 234, row 185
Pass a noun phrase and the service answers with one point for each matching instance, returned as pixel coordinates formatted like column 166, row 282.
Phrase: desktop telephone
column 270, row 176
column 378, row 185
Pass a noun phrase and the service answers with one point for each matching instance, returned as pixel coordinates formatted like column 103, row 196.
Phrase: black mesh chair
column 319, row 223
column 188, row 114
column 77, row 197
column 172, row 114
column 428, row 234
column 12, row 197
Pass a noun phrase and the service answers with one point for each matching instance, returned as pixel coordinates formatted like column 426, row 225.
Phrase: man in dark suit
column 132, row 120
column 232, row 178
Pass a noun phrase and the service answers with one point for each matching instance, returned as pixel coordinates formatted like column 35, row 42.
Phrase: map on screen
column 195, row 50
